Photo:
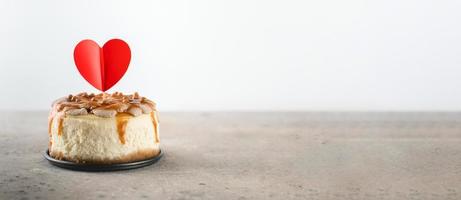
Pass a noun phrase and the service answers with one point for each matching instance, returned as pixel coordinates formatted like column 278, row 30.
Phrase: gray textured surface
column 255, row 156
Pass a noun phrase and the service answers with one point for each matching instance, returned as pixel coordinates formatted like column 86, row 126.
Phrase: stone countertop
column 273, row 155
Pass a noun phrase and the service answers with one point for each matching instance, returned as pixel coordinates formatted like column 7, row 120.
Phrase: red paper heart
column 102, row 67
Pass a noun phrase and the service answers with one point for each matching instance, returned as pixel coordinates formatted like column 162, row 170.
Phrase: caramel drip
column 155, row 122
column 60, row 121
column 122, row 121
column 50, row 124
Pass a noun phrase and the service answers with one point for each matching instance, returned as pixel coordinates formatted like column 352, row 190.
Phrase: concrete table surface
column 273, row 155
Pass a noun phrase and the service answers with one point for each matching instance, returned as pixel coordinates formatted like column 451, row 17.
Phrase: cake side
column 103, row 128
column 93, row 139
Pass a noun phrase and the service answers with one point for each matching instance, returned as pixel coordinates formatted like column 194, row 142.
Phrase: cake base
column 101, row 167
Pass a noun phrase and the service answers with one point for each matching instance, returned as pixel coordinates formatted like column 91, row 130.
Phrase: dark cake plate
column 100, row 167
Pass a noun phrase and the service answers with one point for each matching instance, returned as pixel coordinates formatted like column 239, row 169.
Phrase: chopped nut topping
column 103, row 104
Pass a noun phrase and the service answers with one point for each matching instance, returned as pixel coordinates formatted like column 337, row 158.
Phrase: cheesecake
column 103, row 128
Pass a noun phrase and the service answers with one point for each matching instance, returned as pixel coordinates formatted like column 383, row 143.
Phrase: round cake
column 103, row 128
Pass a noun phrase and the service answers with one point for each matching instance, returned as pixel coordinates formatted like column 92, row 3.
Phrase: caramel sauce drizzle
column 60, row 121
column 50, row 124
column 116, row 101
column 155, row 122
column 122, row 121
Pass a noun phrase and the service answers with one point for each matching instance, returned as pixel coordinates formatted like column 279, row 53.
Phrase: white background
column 242, row 54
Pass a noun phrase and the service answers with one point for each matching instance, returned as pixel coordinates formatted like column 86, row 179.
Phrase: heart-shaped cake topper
column 102, row 67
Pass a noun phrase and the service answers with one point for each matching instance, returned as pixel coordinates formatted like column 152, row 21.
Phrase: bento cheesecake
column 103, row 128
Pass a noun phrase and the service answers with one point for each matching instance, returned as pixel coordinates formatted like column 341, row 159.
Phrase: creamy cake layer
column 103, row 128
column 94, row 139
